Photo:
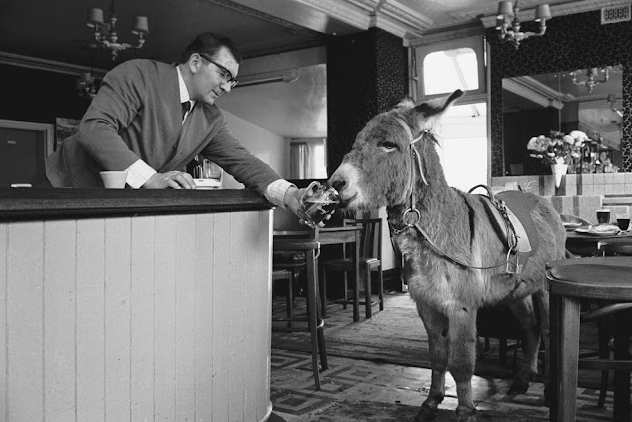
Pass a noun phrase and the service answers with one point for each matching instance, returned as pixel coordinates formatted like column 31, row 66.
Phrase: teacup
column 113, row 179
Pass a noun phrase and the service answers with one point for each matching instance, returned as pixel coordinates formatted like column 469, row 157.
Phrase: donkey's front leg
column 438, row 346
column 462, row 333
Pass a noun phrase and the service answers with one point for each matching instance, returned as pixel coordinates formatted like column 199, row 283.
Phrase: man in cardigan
column 152, row 118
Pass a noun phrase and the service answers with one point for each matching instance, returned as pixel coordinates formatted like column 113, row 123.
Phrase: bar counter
column 134, row 305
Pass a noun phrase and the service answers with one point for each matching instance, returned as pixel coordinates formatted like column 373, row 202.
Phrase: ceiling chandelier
column 508, row 23
column 106, row 36
column 591, row 78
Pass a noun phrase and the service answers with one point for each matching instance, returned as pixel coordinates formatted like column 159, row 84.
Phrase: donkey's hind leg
column 525, row 313
column 462, row 334
column 438, row 346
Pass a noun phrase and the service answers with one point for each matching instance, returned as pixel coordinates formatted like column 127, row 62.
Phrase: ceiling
column 56, row 31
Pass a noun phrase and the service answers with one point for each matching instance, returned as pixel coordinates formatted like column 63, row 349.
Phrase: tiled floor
column 353, row 380
column 352, row 384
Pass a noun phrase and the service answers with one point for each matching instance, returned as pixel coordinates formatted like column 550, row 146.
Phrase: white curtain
column 307, row 160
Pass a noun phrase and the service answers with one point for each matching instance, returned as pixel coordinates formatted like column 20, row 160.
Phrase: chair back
column 371, row 238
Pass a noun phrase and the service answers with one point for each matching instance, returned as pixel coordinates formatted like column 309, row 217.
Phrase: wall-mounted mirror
column 589, row 100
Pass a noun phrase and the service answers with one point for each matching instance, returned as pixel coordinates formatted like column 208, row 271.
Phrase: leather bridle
column 412, row 209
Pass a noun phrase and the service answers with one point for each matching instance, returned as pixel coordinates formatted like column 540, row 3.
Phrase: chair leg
column 289, row 302
column 322, row 349
column 312, row 309
column 346, row 290
column 367, row 292
column 603, row 336
column 323, row 289
column 381, row 285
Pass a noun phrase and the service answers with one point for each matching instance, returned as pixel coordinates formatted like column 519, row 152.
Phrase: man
column 152, row 118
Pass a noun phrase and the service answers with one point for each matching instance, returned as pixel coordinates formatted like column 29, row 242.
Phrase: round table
column 584, row 244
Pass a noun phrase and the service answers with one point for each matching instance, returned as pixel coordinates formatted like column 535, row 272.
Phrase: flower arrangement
column 557, row 148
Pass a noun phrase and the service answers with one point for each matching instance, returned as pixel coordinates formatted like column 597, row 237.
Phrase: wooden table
column 583, row 244
column 564, row 324
column 332, row 236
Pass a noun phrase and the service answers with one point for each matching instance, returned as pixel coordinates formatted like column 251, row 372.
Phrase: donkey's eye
column 387, row 146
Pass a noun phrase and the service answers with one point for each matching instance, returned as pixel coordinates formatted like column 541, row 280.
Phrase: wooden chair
column 370, row 260
column 315, row 324
column 571, row 281
column 285, row 275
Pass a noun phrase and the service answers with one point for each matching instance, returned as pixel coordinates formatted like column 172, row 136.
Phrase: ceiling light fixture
column 508, row 23
column 591, row 78
column 106, row 36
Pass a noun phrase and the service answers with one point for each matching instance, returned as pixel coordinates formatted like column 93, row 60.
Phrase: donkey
column 453, row 258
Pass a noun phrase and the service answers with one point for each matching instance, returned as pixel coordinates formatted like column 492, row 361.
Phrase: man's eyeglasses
column 227, row 77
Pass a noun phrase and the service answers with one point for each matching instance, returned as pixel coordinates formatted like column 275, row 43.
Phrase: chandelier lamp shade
column 106, row 35
column 592, row 78
column 508, row 22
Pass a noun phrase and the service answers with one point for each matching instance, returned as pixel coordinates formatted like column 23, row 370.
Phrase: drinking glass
column 603, row 216
column 322, row 201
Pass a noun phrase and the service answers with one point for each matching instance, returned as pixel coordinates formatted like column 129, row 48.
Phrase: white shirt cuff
column 138, row 173
column 275, row 192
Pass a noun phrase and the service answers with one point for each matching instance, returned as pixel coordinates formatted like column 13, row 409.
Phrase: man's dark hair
column 209, row 43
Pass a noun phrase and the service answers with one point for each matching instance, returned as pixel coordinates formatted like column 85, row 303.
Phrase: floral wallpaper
column 571, row 42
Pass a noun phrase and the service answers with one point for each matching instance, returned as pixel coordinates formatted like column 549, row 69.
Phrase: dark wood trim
column 33, row 204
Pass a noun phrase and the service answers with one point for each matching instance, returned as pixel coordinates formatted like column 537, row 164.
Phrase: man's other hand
column 172, row 179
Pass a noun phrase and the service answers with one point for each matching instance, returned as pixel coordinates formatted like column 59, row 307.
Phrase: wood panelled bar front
column 135, row 305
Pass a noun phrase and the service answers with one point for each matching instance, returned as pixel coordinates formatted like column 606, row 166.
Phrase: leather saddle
column 510, row 214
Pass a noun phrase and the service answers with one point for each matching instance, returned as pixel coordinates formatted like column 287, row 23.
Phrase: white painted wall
column 267, row 146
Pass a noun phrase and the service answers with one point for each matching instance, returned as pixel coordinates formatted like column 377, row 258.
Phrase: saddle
column 510, row 214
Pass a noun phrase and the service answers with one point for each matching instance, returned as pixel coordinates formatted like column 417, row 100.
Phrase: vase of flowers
column 558, row 150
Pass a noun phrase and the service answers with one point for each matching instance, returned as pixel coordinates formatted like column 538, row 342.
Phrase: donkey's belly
column 445, row 286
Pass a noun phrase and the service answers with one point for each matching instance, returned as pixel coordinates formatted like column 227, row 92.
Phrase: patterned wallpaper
column 571, row 42
column 366, row 75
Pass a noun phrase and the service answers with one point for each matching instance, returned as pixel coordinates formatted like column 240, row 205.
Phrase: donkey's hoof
column 518, row 387
column 465, row 415
column 426, row 413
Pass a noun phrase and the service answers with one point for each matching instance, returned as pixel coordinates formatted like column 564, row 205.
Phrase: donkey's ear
column 430, row 112
column 405, row 103
column 438, row 105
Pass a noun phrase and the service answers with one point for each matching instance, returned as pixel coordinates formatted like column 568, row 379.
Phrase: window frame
column 476, row 43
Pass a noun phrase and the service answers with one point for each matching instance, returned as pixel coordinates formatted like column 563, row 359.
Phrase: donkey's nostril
column 338, row 184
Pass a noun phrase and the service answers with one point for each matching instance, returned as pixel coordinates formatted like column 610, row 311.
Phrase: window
column 307, row 159
column 445, row 71
column 441, row 68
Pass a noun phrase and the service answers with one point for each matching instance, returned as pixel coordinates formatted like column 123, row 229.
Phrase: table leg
column 551, row 390
column 567, row 358
column 621, row 331
column 356, row 290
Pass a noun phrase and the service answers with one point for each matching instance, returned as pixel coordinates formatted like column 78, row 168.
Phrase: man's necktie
column 186, row 106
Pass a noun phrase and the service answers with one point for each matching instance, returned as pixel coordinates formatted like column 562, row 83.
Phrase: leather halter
column 413, row 202
column 411, row 180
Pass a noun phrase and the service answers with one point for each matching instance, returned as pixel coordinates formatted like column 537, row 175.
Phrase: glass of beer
column 623, row 221
column 317, row 201
column 603, row 216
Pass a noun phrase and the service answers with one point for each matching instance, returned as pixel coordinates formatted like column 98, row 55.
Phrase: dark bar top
column 32, row 203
